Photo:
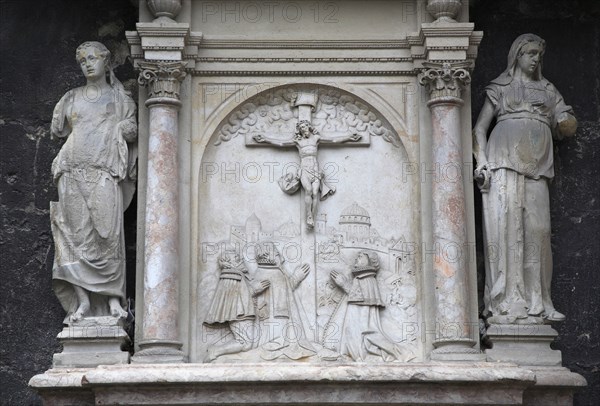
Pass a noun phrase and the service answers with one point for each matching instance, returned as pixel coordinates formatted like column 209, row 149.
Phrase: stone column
column 454, row 330
column 160, row 330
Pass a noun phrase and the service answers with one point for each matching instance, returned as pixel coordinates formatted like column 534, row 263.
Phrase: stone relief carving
column 163, row 79
column 445, row 79
column 95, row 176
column 264, row 318
column 307, row 139
column 362, row 333
column 234, row 304
column 335, row 112
column 514, row 168
column 283, row 324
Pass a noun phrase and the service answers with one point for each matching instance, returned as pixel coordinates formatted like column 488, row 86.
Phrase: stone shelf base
column 355, row 384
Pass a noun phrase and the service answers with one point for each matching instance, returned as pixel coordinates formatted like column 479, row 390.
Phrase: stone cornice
column 198, row 72
column 218, row 43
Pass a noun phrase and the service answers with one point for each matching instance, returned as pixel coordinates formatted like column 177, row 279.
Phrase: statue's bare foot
column 80, row 312
column 310, row 222
column 115, row 308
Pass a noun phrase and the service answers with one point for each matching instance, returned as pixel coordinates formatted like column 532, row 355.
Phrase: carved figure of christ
column 307, row 139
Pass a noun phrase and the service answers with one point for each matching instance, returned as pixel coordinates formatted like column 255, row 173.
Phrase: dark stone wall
column 572, row 63
column 38, row 39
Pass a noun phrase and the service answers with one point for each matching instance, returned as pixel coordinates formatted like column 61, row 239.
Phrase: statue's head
column 367, row 259
column 94, row 59
column 526, row 54
column 267, row 255
column 304, row 129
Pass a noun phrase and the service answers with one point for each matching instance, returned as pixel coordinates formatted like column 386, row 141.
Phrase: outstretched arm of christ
column 340, row 139
column 265, row 139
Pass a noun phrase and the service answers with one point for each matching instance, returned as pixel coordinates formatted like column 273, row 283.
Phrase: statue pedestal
column 91, row 342
column 523, row 344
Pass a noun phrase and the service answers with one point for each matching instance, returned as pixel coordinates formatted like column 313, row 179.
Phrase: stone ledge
column 261, row 373
column 282, row 384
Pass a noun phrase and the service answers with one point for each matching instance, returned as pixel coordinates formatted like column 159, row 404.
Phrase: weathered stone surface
column 91, row 342
column 255, row 384
column 522, row 344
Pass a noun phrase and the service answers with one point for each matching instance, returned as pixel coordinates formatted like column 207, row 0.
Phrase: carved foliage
column 273, row 112
column 444, row 80
column 163, row 79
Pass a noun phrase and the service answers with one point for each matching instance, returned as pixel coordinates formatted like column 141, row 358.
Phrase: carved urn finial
column 164, row 10
column 444, row 10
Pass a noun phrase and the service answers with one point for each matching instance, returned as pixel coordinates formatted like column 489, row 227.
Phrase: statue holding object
column 514, row 168
column 95, row 176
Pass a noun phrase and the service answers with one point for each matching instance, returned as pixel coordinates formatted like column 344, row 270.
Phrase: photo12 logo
column 255, row 12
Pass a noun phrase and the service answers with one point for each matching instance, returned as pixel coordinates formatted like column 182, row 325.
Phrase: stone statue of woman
column 514, row 167
column 94, row 173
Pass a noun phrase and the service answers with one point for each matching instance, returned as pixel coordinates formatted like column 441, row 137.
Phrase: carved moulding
column 163, row 79
column 336, row 111
column 445, row 81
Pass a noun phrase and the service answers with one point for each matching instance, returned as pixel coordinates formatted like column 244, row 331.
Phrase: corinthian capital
column 445, row 81
column 163, row 79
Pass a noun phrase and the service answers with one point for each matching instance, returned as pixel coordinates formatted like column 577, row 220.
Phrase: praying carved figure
column 283, row 324
column 234, row 304
column 94, row 173
column 306, row 139
column 362, row 333
column 514, row 167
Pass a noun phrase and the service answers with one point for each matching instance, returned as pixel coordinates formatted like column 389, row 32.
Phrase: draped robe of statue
column 94, row 173
column 516, row 206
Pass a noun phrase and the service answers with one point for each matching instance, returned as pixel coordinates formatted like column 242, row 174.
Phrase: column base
column 159, row 352
column 91, row 342
column 457, row 350
column 523, row 344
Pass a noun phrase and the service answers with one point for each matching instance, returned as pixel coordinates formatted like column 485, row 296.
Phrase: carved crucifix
column 307, row 139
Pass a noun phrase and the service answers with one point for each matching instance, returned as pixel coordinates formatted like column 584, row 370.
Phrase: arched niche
column 240, row 204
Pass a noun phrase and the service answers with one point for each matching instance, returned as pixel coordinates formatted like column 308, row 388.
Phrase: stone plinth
column 91, row 342
column 523, row 344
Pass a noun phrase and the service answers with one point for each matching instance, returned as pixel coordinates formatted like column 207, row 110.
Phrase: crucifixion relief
column 307, row 139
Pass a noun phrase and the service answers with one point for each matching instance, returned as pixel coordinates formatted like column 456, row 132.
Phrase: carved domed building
column 355, row 223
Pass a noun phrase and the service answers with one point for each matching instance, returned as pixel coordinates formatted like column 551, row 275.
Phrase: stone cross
column 307, row 139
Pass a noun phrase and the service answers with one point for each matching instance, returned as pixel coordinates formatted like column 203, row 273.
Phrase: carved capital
column 444, row 82
column 163, row 79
